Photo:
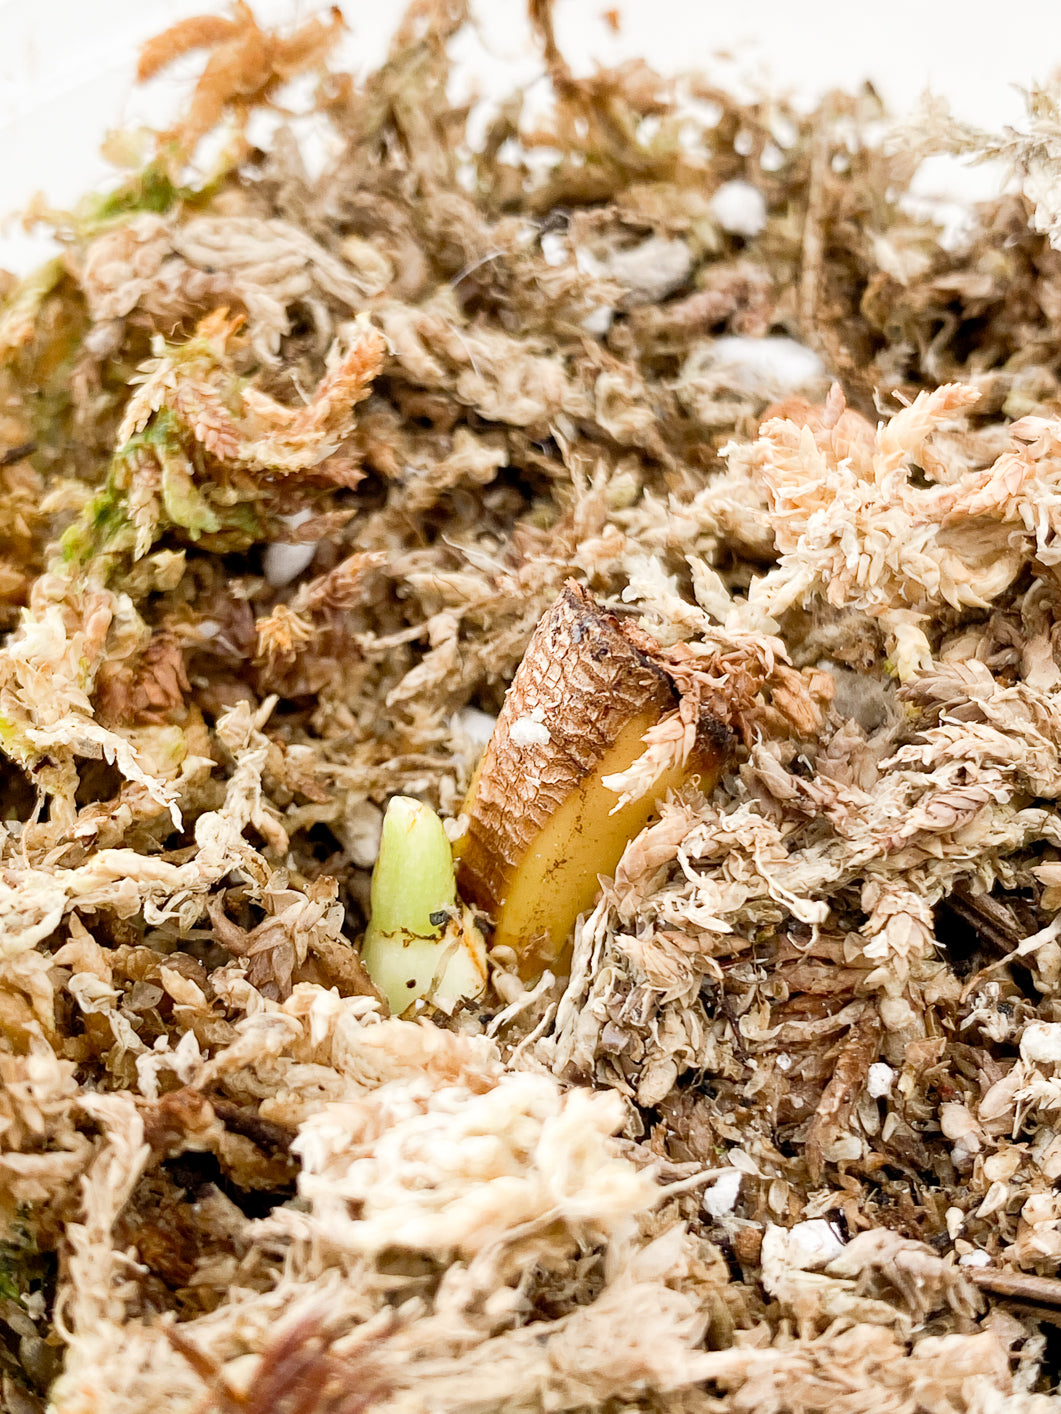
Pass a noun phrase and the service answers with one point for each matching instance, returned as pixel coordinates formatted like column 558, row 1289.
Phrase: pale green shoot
column 419, row 944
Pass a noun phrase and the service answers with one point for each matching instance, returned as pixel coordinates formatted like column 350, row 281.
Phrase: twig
column 813, row 238
column 17, row 454
column 1043, row 1291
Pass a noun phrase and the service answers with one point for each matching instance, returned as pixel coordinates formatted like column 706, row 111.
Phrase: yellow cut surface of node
column 557, row 878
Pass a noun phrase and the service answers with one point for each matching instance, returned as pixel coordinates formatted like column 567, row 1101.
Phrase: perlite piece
column 419, row 943
column 542, row 826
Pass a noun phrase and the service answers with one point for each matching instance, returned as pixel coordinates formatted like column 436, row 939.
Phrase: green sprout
column 419, row 944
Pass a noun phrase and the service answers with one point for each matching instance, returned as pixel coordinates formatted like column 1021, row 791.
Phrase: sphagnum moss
column 586, row 361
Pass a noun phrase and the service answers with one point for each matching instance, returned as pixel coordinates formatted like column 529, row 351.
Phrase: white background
column 66, row 66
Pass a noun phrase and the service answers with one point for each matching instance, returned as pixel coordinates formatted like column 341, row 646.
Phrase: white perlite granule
column 879, row 1080
column 1041, row 1041
column 739, row 208
column 721, row 1197
column 530, row 730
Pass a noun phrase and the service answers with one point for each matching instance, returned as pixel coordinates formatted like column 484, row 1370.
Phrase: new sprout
column 419, row 943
